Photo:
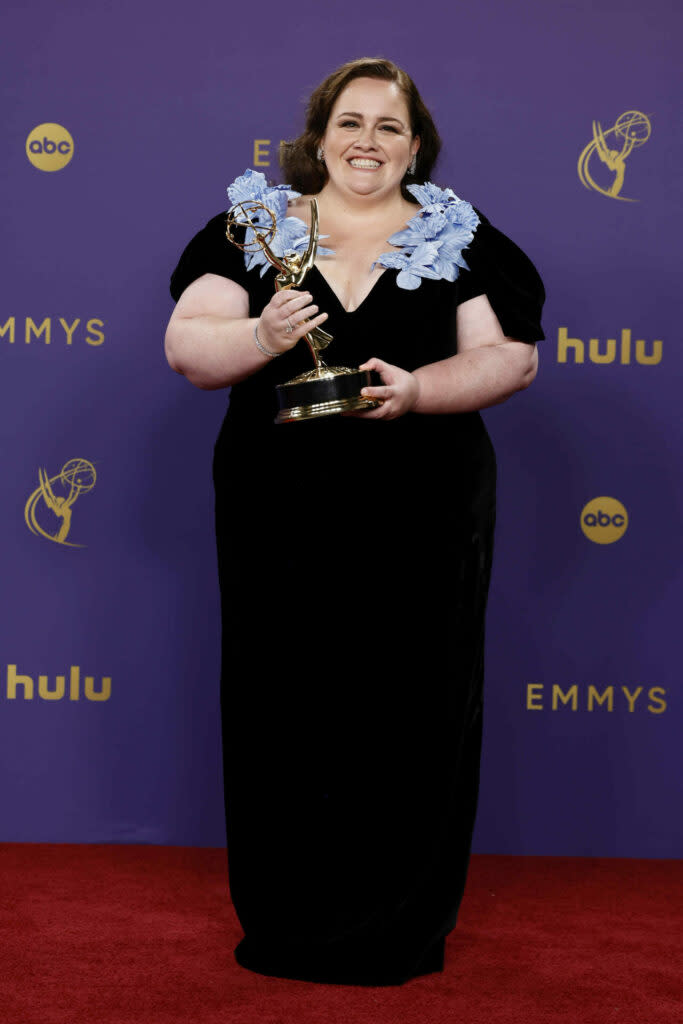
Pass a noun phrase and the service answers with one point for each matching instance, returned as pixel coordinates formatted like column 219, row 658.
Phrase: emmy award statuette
column 325, row 390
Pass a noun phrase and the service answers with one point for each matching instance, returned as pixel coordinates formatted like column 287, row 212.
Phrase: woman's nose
column 366, row 138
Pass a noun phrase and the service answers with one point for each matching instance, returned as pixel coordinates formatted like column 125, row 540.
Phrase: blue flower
column 432, row 241
column 434, row 200
column 291, row 234
column 252, row 185
column 430, row 245
column 418, row 229
column 431, row 197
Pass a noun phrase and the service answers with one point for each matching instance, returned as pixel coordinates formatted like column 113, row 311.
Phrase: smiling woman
column 371, row 151
column 355, row 551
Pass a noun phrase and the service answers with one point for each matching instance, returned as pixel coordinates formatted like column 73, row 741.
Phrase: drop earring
column 320, row 153
column 413, row 164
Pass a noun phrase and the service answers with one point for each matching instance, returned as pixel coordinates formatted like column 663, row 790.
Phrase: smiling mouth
column 364, row 164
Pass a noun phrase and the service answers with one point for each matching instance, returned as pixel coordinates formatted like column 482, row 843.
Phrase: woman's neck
column 334, row 204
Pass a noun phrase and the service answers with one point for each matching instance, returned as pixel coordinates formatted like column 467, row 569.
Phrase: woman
column 355, row 551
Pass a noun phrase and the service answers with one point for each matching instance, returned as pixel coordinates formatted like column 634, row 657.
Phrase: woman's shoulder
column 492, row 248
column 211, row 250
column 498, row 268
column 208, row 252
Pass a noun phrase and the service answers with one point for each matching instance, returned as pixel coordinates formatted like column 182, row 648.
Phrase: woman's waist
column 249, row 429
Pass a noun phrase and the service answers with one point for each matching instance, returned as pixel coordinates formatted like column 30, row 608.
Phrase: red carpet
column 123, row 934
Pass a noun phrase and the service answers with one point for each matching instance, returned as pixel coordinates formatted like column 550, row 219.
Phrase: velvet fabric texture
column 354, row 561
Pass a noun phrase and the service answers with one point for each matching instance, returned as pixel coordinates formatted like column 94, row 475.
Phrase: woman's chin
column 369, row 184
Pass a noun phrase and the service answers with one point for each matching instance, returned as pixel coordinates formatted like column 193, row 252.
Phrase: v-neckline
column 348, row 312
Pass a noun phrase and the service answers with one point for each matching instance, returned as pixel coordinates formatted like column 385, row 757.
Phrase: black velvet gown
column 354, row 560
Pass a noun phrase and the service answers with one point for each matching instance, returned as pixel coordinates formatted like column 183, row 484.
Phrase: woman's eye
column 349, row 124
column 389, row 128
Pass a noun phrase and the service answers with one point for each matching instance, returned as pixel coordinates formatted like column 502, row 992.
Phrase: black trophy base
column 325, row 391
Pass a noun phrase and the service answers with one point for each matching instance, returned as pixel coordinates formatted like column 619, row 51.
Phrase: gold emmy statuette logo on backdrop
column 604, row 520
column 613, row 146
column 48, row 510
column 49, row 147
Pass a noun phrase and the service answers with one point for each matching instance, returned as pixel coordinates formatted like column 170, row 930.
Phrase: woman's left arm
column 487, row 370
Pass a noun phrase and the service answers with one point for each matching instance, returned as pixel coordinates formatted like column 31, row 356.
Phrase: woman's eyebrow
column 382, row 117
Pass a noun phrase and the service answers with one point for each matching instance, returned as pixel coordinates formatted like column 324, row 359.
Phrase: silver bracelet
column 261, row 347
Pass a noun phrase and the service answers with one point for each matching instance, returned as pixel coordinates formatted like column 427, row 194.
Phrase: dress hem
column 281, row 966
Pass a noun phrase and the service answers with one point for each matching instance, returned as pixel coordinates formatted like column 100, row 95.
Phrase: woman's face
column 368, row 142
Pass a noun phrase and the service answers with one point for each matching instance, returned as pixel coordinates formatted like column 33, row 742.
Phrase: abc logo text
column 604, row 520
column 49, row 146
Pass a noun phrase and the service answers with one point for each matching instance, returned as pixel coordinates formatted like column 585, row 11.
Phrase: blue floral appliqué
column 432, row 241
column 291, row 234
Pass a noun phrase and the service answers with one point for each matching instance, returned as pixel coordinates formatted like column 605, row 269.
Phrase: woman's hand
column 398, row 394
column 287, row 309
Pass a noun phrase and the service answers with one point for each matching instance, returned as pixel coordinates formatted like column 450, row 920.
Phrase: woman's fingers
column 373, row 364
column 298, row 316
column 305, row 326
column 295, row 309
column 398, row 392
column 287, row 317
column 381, row 393
column 291, row 299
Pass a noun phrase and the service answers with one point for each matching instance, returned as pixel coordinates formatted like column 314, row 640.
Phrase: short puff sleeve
column 209, row 252
column 500, row 270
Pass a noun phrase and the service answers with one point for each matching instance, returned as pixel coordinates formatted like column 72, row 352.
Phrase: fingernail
column 363, row 391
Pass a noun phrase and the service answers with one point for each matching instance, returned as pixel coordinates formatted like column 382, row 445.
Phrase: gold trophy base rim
column 331, row 408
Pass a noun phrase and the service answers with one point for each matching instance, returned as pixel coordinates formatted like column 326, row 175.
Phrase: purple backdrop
column 163, row 106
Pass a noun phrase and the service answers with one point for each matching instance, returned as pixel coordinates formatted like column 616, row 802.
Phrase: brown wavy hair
column 298, row 159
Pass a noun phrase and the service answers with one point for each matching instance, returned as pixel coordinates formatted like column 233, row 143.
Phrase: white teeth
column 365, row 163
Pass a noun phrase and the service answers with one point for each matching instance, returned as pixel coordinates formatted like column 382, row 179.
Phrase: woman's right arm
column 210, row 336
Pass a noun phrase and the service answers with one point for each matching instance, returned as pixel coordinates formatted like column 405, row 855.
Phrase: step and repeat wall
column 121, row 131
